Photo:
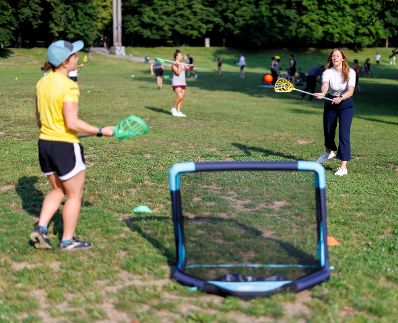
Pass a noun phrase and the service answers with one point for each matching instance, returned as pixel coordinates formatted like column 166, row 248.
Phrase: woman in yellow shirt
column 60, row 154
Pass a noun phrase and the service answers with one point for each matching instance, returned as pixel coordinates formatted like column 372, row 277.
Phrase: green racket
column 131, row 126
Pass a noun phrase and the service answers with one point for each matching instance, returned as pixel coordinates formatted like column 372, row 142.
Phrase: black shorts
column 62, row 158
column 158, row 72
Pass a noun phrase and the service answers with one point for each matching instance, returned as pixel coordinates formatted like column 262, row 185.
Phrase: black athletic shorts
column 159, row 72
column 62, row 158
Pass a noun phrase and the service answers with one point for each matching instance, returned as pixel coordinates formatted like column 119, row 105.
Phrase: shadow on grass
column 377, row 120
column 148, row 228
column 159, row 110
column 247, row 150
column 31, row 197
column 218, row 234
column 5, row 53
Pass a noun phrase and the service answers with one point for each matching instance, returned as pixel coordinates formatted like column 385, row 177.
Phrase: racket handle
column 309, row 93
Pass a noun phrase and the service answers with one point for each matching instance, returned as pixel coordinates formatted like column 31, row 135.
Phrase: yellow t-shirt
column 52, row 91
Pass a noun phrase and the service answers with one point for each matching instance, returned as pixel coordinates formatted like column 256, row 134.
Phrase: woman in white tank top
column 179, row 83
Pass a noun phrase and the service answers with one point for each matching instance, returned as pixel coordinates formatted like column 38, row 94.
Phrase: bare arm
column 324, row 91
column 176, row 69
column 72, row 121
column 37, row 115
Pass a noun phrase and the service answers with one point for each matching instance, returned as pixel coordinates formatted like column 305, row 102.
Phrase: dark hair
column 48, row 66
column 176, row 53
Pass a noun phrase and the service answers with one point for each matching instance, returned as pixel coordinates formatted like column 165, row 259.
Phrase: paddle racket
column 129, row 127
column 284, row 86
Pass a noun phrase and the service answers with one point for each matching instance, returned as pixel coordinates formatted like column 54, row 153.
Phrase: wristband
column 99, row 133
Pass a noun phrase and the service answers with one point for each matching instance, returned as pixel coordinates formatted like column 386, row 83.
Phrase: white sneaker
column 180, row 114
column 173, row 111
column 341, row 172
column 326, row 156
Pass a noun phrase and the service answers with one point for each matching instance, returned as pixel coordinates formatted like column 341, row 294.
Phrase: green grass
column 126, row 275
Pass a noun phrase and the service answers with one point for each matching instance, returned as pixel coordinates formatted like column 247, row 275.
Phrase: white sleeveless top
column 179, row 79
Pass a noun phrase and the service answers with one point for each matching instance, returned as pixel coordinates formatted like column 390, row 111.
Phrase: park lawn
column 126, row 275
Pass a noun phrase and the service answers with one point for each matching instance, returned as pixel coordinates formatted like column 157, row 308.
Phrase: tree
column 7, row 23
column 74, row 20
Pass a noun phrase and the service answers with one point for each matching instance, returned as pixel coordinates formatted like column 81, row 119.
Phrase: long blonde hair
column 345, row 71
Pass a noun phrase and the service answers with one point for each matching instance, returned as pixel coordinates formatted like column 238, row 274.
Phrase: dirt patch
column 394, row 167
column 299, row 306
column 304, row 141
column 17, row 266
column 4, row 188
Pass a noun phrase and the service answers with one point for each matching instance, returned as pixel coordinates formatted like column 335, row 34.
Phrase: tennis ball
column 17, row 78
column 132, row 75
column 268, row 78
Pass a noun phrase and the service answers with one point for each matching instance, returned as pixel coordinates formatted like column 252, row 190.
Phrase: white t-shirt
column 73, row 73
column 242, row 61
column 335, row 80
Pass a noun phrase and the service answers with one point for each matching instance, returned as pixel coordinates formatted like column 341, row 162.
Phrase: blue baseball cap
column 60, row 50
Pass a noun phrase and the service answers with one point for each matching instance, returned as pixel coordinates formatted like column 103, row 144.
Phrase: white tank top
column 179, row 79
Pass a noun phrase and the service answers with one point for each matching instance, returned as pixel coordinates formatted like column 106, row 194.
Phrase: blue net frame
column 250, row 289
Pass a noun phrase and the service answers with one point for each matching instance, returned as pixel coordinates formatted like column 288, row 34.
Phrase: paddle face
column 283, row 85
column 129, row 127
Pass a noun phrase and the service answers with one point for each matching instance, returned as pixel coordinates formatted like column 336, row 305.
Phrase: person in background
column 242, row 64
column 338, row 84
column 74, row 74
column 392, row 56
column 219, row 65
column 292, row 69
column 157, row 69
column 178, row 83
column 378, row 58
column 61, row 156
column 275, row 68
column 366, row 68
column 357, row 70
column 191, row 70
column 311, row 80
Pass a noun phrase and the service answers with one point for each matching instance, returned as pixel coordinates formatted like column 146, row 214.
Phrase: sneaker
column 326, row 156
column 40, row 239
column 341, row 172
column 180, row 114
column 74, row 244
column 173, row 111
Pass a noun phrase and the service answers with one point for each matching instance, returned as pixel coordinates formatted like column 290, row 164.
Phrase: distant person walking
column 366, row 68
column 242, row 64
column 292, row 69
column 392, row 56
column 179, row 84
column 157, row 69
column 378, row 58
column 338, row 83
column 191, row 70
column 219, row 65
column 357, row 70
column 311, row 80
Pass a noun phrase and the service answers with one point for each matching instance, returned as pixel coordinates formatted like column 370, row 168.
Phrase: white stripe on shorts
column 79, row 166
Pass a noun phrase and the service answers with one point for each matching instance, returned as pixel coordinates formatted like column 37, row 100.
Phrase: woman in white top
column 242, row 65
column 179, row 83
column 338, row 83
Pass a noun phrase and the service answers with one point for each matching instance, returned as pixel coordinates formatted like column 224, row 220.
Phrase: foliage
column 7, row 23
column 236, row 23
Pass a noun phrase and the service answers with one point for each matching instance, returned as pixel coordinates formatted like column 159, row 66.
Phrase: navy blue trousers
column 343, row 114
